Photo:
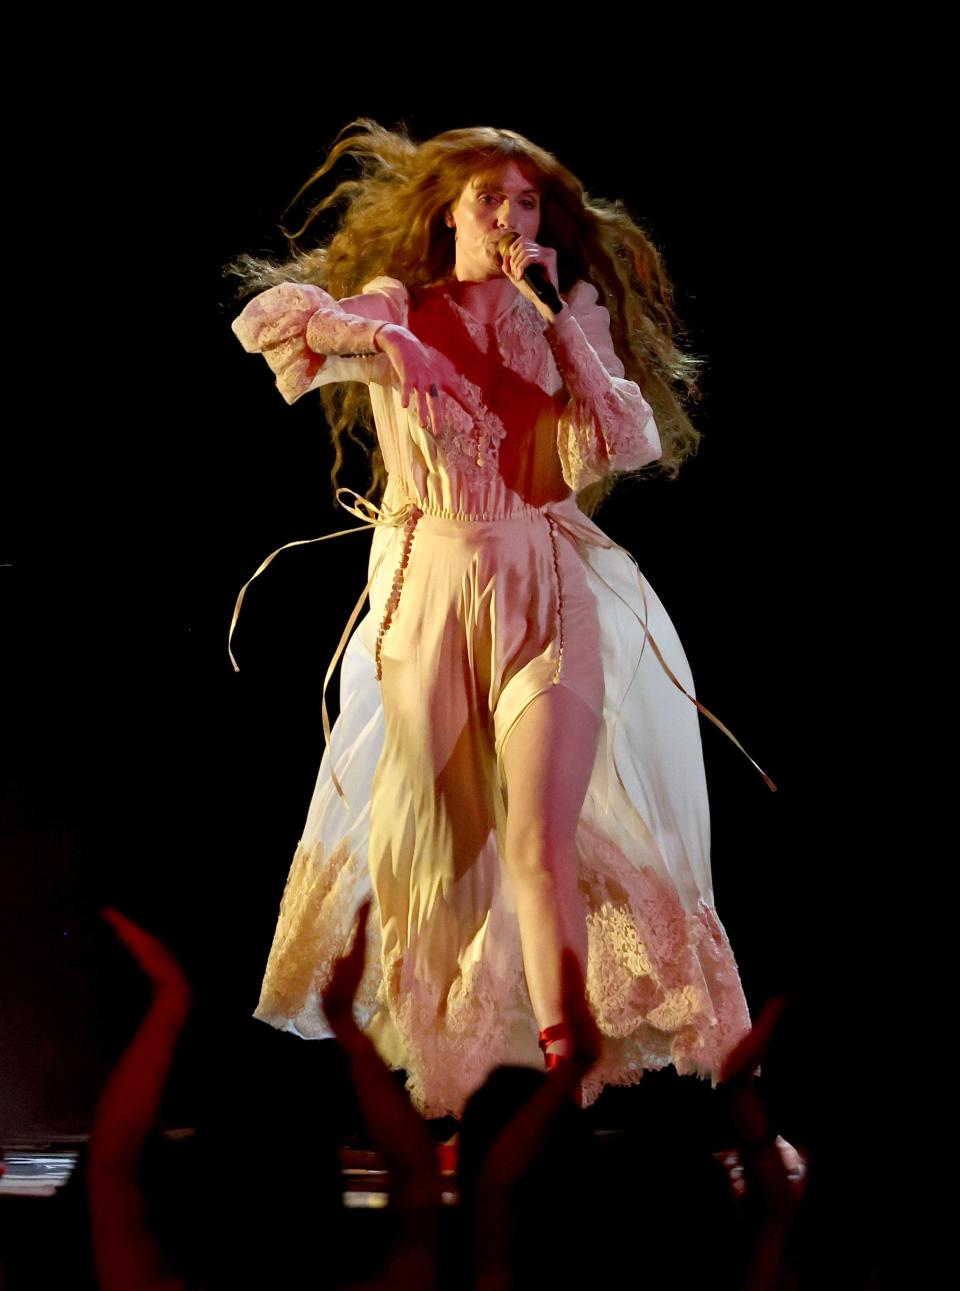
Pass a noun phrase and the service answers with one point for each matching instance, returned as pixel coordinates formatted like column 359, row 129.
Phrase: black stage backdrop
column 155, row 465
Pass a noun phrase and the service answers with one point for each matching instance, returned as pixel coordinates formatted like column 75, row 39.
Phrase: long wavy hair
column 392, row 222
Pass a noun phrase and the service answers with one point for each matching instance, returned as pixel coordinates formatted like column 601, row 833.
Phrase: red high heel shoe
column 560, row 1031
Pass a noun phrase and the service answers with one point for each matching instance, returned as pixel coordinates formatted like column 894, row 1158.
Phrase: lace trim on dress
column 607, row 425
column 520, row 337
column 662, row 983
column 296, row 327
column 318, row 911
column 479, row 331
column 519, row 333
column 452, row 1041
column 470, row 443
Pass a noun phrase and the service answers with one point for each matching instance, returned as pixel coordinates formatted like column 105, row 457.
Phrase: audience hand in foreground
column 749, row 1113
column 584, row 1033
column 338, row 995
column 745, row 1057
column 156, row 960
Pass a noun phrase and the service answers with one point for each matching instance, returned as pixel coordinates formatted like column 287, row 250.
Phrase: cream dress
column 488, row 587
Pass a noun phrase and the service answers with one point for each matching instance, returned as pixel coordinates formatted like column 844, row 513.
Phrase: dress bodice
column 538, row 410
column 494, row 453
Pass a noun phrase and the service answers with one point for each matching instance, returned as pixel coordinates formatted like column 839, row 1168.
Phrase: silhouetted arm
column 394, row 1126
column 125, row 1251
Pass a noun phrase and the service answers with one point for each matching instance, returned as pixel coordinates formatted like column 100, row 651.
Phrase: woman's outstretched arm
column 309, row 339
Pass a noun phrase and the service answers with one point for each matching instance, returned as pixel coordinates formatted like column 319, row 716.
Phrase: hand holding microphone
column 533, row 270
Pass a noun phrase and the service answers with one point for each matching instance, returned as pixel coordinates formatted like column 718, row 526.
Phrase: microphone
column 535, row 276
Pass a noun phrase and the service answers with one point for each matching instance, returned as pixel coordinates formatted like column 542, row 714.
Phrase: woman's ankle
column 556, row 1039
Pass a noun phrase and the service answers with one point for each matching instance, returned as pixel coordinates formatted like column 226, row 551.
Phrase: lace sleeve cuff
column 331, row 331
column 607, row 424
column 310, row 339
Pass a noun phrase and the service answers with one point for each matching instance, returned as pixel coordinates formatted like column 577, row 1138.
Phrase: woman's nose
column 503, row 214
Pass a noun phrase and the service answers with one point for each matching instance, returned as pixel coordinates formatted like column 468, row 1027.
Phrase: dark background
column 154, row 465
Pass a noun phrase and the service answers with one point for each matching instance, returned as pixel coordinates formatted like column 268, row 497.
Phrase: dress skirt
column 469, row 621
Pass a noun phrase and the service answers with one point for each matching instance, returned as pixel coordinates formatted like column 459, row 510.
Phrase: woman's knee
column 538, row 851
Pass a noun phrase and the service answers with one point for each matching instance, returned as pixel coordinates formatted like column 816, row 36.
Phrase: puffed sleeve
column 607, row 425
column 309, row 339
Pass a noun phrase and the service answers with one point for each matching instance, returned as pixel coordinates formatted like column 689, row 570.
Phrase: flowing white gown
column 489, row 586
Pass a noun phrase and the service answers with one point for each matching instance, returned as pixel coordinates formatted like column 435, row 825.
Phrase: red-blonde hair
column 392, row 223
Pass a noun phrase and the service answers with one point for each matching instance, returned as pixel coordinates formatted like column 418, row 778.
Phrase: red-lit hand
column 518, row 257
column 338, row 995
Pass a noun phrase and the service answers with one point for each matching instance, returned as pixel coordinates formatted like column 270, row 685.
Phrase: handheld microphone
column 535, row 276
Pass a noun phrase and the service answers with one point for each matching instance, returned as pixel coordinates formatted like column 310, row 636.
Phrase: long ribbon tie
column 373, row 516
column 576, row 531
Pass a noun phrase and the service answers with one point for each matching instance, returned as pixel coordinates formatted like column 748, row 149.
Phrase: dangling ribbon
column 373, row 516
column 589, row 533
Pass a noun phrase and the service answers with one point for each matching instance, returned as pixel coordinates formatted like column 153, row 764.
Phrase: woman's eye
column 529, row 203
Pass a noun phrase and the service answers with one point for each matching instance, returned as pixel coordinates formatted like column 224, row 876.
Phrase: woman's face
column 489, row 206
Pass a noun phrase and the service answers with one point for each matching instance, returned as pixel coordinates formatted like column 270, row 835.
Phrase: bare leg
column 547, row 761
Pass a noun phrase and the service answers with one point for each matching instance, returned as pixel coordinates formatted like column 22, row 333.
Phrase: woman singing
column 517, row 764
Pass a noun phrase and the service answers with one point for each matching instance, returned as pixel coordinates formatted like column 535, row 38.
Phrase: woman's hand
column 423, row 372
column 518, row 258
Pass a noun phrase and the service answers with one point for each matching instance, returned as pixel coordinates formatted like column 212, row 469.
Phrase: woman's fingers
column 421, row 389
column 520, row 256
column 426, row 404
column 510, row 257
column 424, row 374
column 523, row 254
column 469, row 408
